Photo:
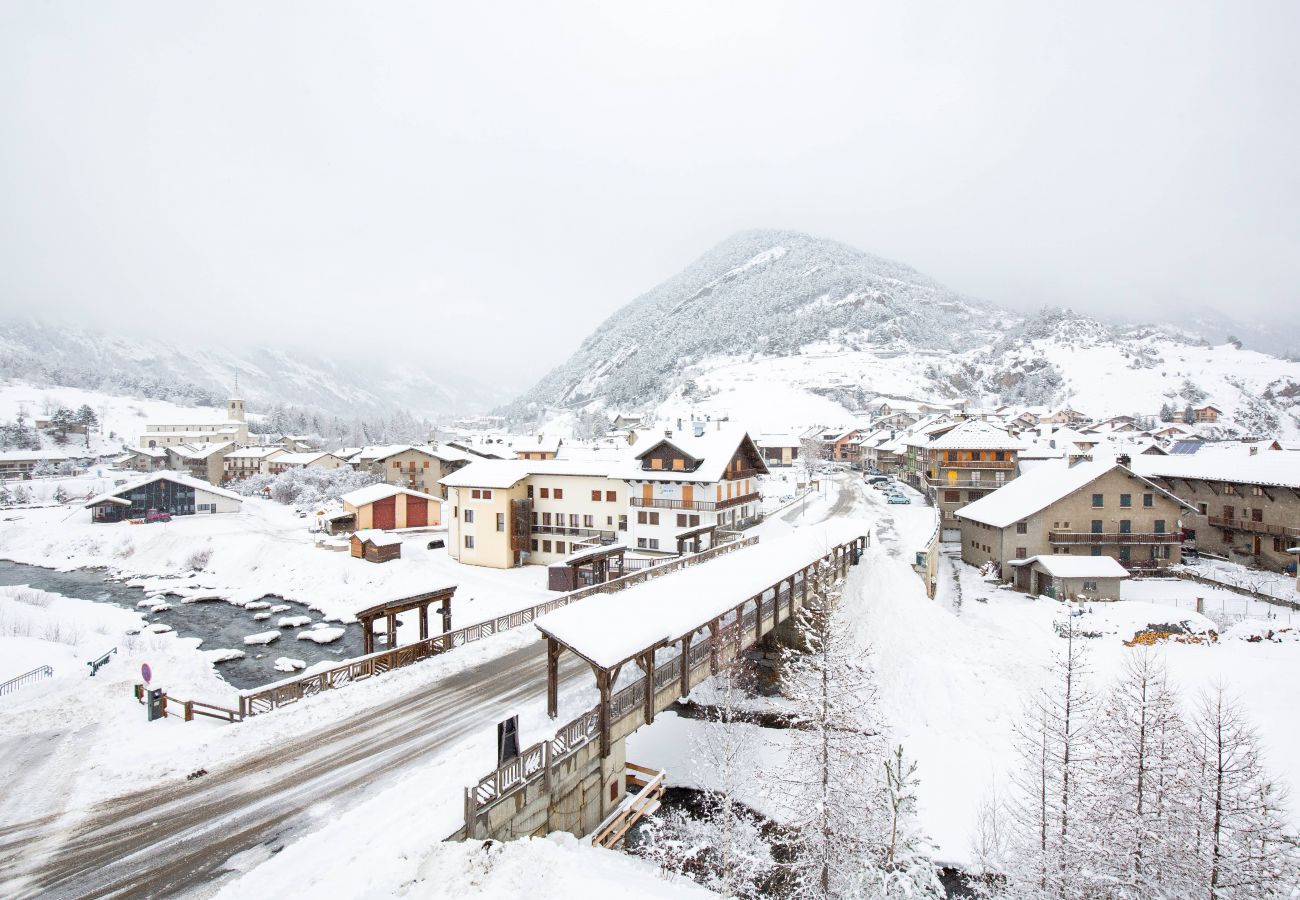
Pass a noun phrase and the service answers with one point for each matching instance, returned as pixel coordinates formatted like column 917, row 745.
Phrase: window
column 1160, row 526
column 534, row 542
column 654, row 518
column 1257, row 491
column 656, row 463
column 396, row 464
column 1096, row 526
column 1096, row 551
column 679, row 465
column 501, row 521
column 1098, row 501
column 588, row 521
column 1125, row 500
column 681, row 520
column 469, row 542
column 1125, row 526
column 546, row 493
column 487, row 495
column 573, row 520
column 595, row 496
column 641, row 517
column 1257, row 515
column 694, row 520
column 611, row 496
column 530, row 492
column 1204, row 508
column 546, row 546
column 652, row 544
column 1229, row 488
column 476, row 494
column 1090, row 585
column 952, row 496
column 559, row 546
column 469, row 516
column 640, row 543
column 1020, row 553
column 1022, row 528
column 1148, row 500
column 559, row 493
column 546, row 519
column 622, row 523
column 1123, row 554
column 974, row 476
column 1277, row 545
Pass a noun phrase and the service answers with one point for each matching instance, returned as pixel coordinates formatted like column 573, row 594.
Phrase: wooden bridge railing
column 291, row 690
column 739, row 629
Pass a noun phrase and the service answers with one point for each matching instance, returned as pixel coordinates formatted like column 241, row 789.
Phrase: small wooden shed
column 376, row 546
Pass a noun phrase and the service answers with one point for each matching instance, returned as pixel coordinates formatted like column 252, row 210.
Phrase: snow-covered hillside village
column 420, row 475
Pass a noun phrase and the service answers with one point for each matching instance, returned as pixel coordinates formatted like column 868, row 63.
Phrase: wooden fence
column 294, row 689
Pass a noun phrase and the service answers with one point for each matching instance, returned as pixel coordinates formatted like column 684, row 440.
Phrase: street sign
column 146, row 673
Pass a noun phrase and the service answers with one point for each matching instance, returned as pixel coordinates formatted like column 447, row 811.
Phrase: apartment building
column 963, row 463
column 1090, row 508
column 1247, row 504
column 249, row 461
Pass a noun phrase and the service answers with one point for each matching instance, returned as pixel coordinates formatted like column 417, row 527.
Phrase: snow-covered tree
column 1242, row 845
column 831, row 778
column 60, row 495
column 22, row 496
column 1050, row 851
column 1141, row 811
column 904, row 868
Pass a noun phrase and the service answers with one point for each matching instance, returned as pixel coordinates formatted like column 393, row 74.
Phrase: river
column 219, row 624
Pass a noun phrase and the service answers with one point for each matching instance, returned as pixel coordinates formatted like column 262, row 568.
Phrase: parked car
column 436, row 544
column 878, row 479
column 157, row 515
column 898, row 498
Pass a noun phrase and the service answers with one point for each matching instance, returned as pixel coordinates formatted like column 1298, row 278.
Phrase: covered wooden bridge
column 389, row 610
column 672, row 634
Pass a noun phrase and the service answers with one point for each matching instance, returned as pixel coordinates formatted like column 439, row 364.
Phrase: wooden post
column 602, row 712
column 713, row 646
column 648, row 666
column 686, row 665
column 368, row 636
column 392, row 630
column 758, row 614
column 424, row 621
column 553, row 649
column 446, row 615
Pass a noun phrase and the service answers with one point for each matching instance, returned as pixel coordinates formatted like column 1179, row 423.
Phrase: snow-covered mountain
column 777, row 327
column 49, row 355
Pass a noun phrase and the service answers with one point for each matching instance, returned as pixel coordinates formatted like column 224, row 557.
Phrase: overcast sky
column 489, row 178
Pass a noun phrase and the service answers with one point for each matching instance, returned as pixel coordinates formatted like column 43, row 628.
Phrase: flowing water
column 218, row 623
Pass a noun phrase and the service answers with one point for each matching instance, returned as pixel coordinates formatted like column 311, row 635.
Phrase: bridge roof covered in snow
column 608, row 629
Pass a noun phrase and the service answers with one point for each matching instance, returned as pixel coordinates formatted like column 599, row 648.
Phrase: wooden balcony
column 698, row 505
column 1113, row 537
column 592, row 534
column 1254, row 527
column 974, row 464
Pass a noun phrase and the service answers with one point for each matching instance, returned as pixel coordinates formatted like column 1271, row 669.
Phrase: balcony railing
column 594, row 534
column 1254, row 527
column 698, row 505
column 974, row 464
column 1113, row 537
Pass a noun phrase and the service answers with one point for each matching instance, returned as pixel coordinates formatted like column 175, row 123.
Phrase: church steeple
column 235, row 406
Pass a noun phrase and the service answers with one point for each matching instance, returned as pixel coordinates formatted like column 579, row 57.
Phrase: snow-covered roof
column 381, row 491
column 199, row 451
column 114, row 495
column 778, row 440
column 1039, row 488
column 539, row 444
column 253, row 452
column 506, row 473
column 1272, row 468
column 155, row 452
column 38, row 455
column 376, row 537
column 302, row 459
column 1077, row 566
column 714, row 449
column 975, row 434
column 610, row 628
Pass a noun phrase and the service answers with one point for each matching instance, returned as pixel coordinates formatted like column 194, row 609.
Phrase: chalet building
column 386, row 506
column 376, row 546
column 540, row 447
column 1247, row 506
column 416, row 468
column 197, row 427
column 246, row 462
column 1091, row 508
column 1070, row 577
column 1207, row 414
column 20, row 464
column 507, row 513
column 314, row 459
column 170, row 492
column 963, row 464
column 144, row 459
column 779, row 449
column 839, row 446
column 684, row 482
column 204, row 461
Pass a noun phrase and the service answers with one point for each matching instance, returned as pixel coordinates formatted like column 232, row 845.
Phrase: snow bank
column 288, row 664
column 322, row 635
column 262, row 637
column 293, row 621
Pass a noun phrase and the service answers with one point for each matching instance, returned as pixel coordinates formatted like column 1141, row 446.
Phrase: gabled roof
column 303, row 459
column 374, row 492
column 1276, row 468
column 376, row 537
column 114, row 496
column 976, row 434
column 199, row 451
column 1042, row 486
column 1077, row 566
column 500, row 474
column 713, row 450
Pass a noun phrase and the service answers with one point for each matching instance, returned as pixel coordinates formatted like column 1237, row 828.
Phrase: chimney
column 698, row 428
column 679, row 424
column 1124, row 460
column 1254, row 451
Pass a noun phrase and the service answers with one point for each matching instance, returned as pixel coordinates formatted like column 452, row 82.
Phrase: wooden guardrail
column 35, row 674
column 190, row 708
column 644, row 802
column 360, row 668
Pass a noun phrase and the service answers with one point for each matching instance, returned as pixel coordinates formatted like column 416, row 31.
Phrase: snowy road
column 167, row 840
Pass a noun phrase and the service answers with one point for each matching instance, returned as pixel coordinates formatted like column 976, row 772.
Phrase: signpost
column 153, row 697
column 146, row 673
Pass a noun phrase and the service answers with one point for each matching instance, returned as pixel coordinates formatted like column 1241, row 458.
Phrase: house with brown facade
column 1247, row 505
column 1207, row 414
column 416, row 467
column 964, row 463
column 1089, row 508
column 246, row 462
column 205, row 461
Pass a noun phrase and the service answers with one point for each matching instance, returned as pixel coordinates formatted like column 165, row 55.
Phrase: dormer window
column 656, row 463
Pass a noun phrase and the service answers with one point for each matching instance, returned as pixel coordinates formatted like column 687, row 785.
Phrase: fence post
column 1200, row 605
column 189, row 710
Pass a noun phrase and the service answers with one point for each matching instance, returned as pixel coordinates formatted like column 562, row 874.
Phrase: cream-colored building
column 197, row 427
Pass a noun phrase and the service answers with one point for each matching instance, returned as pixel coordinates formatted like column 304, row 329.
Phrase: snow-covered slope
column 776, row 327
column 203, row 373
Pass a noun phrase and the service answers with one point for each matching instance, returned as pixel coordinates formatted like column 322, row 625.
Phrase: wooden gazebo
column 390, row 610
column 595, row 565
column 689, row 541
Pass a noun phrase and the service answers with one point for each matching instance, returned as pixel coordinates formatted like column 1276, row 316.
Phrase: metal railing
column 699, row 505
column 1255, row 527
column 1113, row 537
column 36, row 674
column 606, row 537
column 974, row 464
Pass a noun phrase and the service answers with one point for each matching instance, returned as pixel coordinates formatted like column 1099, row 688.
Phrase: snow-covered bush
column 199, row 558
column 305, row 488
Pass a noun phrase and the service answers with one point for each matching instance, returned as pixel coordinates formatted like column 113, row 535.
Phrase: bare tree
column 1243, row 847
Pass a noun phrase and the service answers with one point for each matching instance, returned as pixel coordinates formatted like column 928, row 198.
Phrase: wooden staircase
column 650, row 790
